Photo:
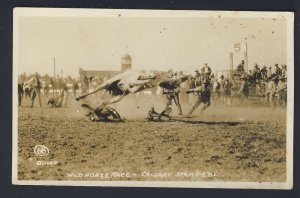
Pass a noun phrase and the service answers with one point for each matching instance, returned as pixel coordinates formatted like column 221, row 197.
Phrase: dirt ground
column 223, row 144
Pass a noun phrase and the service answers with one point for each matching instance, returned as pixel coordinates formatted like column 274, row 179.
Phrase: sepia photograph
column 153, row 98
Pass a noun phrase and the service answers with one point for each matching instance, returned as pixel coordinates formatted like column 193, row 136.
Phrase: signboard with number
column 238, row 47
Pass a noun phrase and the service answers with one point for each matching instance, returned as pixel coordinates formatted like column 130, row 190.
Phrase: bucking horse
column 119, row 86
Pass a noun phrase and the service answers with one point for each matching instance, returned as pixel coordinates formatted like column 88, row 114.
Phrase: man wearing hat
column 197, row 78
column 216, row 91
column 227, row 91
column 221, row 81
column 170, row 88
column 206, row 70
column 256, row 72
column 244, row 88
column 270, row 91
column 240, row 67
column 203, row 96
column 75, row 87
column 282, row 91
column 277, row 72
column 84, row 84
column 263, row 73
column 34, row 85
column 283, row 71
column 269, row 72
column 20, row 93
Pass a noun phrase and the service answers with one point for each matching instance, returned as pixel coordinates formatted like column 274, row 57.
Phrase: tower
column 126, row 62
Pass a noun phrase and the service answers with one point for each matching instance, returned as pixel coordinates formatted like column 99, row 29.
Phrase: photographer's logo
column 41, row 150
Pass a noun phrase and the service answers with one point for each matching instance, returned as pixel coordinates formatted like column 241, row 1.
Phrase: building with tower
column 126, row 64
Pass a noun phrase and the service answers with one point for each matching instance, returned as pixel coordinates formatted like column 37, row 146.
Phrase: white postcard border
column 71, row 12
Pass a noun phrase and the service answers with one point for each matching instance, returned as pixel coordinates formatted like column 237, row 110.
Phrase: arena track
column 237, row 143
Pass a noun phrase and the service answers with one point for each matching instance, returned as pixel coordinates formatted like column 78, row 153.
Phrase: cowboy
column 244, row 89
column 221, row 81
column 270, row 91
column 203, row 93
column 216, row 91
column 64, row 94
column 222, row 78
column 84, row 84
column 171, row 90
column 46, row 87
column 240, row 67
column 197, row 78
column 284, row 71
column 282, row 91
column 34, row 85
column 20, row 93
column 277, row 72
column 256, row 72
column 206, row 70
column 263, row 73
column 227, row 91
column 269, row 72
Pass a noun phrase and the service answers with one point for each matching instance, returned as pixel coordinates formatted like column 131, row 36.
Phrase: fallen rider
column 102, row 113
column 154, row 116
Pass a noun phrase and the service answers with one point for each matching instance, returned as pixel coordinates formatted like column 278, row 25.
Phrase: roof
column 126, row 57
column 99, row 73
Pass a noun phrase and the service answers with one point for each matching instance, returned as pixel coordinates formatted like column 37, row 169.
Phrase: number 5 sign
column 237, row 47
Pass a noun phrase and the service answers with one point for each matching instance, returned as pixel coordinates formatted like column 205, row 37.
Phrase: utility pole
column 246, row 57
column 53, row 88
column 54, row 67
column 231, row 60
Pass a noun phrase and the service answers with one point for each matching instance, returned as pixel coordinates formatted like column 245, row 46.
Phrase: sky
column 181, row 43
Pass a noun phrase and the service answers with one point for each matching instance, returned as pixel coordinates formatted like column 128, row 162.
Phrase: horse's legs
column 113, row 100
